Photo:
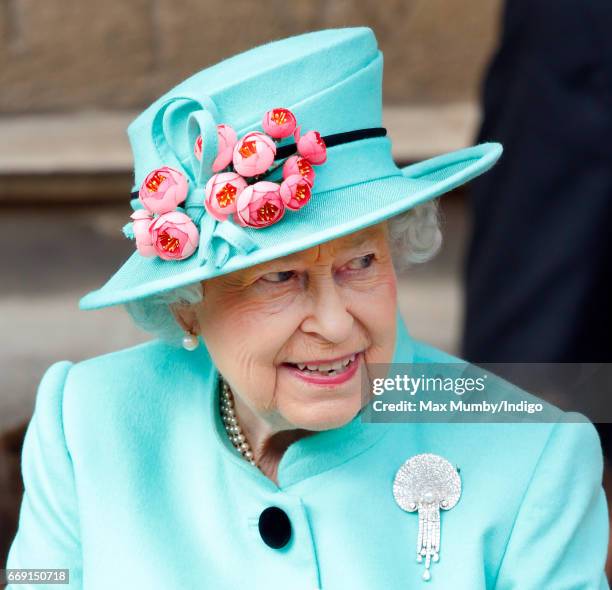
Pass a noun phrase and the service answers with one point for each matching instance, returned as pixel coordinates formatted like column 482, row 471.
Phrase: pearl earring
column 190, row 341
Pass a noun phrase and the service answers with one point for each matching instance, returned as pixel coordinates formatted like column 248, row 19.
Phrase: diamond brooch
column 427, row 483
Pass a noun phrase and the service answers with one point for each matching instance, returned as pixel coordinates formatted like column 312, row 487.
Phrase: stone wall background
column 65, row 55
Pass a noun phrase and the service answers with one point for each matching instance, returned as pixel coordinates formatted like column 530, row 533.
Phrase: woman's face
column 261, row 326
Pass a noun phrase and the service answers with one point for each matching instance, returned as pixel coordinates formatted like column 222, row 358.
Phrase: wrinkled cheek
column 390, row 281
column 258, row 382
column 384, row 295
column 392, row 289
column 381, row 313
column 257, row 343
column 248, row 373
column 390, row 311
column 250, row 339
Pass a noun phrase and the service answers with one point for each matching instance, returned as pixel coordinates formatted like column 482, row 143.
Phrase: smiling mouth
column 328, row 369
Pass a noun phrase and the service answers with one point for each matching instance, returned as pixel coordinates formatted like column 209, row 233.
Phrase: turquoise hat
column 331, row 81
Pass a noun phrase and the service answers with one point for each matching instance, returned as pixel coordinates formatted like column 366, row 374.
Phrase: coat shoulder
column 150, row 362
column 122, row 384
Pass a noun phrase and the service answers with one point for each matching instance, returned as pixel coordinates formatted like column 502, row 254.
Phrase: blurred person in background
column 538, row 272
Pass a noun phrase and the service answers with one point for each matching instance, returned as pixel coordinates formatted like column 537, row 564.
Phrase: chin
column 319, row 416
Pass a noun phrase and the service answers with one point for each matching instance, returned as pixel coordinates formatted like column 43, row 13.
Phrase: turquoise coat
column 131, row 482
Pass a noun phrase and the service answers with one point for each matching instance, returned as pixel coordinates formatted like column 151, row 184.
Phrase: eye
column 278, row 276
column 361, row 262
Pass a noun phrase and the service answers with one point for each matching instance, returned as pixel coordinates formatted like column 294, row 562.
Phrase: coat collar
column 313, row 454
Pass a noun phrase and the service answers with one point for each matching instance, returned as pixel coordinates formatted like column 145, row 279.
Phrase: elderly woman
column 269, row 221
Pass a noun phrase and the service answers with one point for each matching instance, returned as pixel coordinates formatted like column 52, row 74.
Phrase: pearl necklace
column 232, row 427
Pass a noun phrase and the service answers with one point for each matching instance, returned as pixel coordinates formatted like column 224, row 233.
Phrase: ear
column 186, row 317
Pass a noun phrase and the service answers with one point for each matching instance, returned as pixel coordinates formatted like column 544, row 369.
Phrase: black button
column 274, row 527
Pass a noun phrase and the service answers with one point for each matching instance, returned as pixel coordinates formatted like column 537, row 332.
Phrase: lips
column 326, row 374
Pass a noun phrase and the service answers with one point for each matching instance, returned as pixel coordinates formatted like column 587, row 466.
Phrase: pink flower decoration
column 312, row 147
column 174, row 236
column 253, row 154
column 162, row 190
column 227, row 139
column 222, row 191
column 142, row 221
column 279, row 123
column 295, row 191
column 197, row 148
column 299, row 165
column 259, row 205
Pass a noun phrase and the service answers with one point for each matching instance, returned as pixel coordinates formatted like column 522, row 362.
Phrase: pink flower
column 197, row 148
column 299, row 165
column 222, row 191
column 259, row 205
column 162, row 190
column 295, row 191
column 312, row 147
column 253, row 154
column 227, row 139
column 142, row 221
column 279, row 123
column 174, row 236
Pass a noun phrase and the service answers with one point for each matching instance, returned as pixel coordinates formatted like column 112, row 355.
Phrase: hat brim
column 328, row 215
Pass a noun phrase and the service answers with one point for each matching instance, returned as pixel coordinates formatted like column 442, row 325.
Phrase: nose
column 328, row 315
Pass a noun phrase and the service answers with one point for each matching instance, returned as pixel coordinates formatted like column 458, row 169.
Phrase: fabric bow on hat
column 223, row 178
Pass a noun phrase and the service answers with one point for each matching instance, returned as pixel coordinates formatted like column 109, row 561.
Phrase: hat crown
column 316, row 75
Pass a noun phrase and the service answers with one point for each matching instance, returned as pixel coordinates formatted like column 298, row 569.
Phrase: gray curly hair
column 415, row 238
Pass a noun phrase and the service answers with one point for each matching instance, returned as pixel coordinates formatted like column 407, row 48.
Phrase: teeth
column 324, row 368
column 349, row 360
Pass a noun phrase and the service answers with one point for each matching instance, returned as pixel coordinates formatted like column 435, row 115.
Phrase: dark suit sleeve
column 48, row 533
column 559, row 538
